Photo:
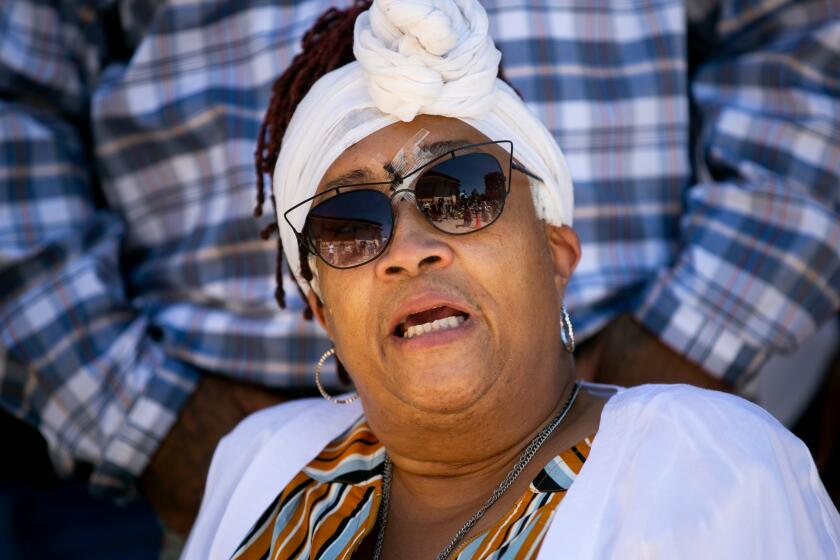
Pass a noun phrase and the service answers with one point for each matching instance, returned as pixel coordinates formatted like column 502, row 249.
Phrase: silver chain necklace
column 521, row 463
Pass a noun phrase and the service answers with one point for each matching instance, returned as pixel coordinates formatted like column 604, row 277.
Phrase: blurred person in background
column 137, row 305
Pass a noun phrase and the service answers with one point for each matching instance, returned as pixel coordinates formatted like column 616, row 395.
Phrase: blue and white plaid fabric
column 706, row 159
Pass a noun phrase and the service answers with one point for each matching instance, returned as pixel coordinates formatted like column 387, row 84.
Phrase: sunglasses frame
column 305, row 241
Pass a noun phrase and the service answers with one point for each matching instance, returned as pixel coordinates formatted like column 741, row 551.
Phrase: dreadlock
column 326, row 46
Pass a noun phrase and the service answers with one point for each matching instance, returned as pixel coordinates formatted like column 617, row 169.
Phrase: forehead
column 373, row 154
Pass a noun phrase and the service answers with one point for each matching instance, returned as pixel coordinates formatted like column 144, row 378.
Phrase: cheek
column 519, row 235
column 524, row 273
column 346, row 311
column 517, row 257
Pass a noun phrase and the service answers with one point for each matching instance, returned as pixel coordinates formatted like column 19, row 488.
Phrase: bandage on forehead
column 409, row 155
column 406, row 67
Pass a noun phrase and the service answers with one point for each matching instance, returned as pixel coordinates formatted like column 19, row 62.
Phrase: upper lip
column 423, row 302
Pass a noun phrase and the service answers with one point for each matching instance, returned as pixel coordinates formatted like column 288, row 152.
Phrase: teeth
column 438, row 325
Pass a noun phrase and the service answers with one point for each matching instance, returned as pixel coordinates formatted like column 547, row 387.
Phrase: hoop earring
column 567, row 333
column 332, row 399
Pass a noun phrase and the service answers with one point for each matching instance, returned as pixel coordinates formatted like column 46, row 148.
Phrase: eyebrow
column 350, row 178
column 439, row 148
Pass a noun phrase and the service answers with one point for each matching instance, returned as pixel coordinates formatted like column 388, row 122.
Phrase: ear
column 564, row 246
column 318, row 310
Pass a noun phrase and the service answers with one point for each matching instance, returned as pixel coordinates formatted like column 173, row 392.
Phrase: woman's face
column 506, row 281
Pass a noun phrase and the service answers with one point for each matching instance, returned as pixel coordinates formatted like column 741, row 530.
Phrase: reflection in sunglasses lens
column 462, row 194
column 459, row 195
column 350, row 228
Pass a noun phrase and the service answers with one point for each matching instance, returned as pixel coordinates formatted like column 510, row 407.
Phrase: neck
column 430, row 502
column 449, row 483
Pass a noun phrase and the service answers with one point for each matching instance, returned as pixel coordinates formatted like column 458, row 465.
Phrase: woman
column 468, row 436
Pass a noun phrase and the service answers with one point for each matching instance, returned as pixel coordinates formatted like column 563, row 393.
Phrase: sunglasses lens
column 457, row 195
column 462, row 194
column 350, row 228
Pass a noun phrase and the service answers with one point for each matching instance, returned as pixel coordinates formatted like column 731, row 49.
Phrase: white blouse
column 675, row 472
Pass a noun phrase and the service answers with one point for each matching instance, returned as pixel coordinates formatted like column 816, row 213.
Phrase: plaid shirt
column 706, row 158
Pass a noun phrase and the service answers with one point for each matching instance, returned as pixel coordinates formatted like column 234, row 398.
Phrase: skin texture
column 455, row 414
column 625, row 353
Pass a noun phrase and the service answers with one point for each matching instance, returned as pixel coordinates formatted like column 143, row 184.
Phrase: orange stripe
column 330, row 523
column 361, row 429
column 362, row 446
column 497, row 533
column 359, row 440
column 260, row 544
column 538, row 521
column 297, row 529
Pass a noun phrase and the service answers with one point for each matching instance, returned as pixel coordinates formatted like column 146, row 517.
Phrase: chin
column 451, row 389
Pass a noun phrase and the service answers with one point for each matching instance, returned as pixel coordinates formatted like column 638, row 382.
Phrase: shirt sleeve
column 77, row 360
column 759, row 266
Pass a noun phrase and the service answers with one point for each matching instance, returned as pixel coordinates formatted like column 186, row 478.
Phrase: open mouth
column 431, row 320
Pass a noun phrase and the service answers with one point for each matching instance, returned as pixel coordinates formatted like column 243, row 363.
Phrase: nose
column 415, row 247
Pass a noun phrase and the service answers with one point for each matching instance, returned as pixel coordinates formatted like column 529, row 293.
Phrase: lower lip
column 435, row 338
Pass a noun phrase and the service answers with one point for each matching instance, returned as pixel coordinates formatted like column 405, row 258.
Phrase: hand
column 174, row 480
column 625, row 353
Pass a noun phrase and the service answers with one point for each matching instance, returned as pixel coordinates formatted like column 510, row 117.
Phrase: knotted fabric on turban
column 432, row 57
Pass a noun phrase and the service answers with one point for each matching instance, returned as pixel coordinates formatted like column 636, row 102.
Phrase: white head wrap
column 431, row 57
